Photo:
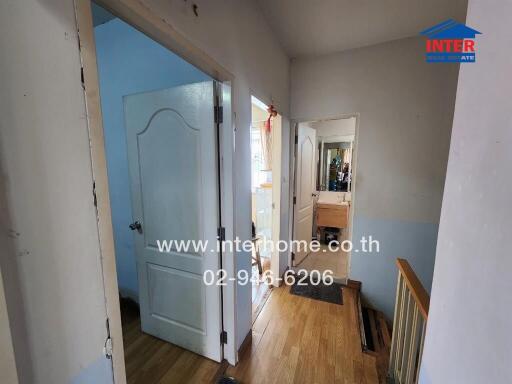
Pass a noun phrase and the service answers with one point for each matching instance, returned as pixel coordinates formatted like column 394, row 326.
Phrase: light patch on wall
column 99, row 372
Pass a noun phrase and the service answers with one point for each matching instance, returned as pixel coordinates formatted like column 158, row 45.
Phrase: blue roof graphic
column 450, row 29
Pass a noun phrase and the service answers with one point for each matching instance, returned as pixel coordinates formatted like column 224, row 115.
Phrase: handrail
column 418, row 292
column 409, row 326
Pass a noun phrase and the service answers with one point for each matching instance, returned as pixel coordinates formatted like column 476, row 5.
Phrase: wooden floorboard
column 300, row 340
column 294, row 340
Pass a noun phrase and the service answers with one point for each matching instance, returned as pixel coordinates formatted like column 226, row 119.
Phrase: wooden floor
column 294, row 340
column 300, row 340
column 150, row 360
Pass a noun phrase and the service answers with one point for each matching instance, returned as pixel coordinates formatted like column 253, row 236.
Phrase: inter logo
column 450, row 42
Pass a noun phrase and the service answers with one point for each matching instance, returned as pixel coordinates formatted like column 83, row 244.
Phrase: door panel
column 165, row 296
column 172, row 157
column 305, row 188
column 163, row 197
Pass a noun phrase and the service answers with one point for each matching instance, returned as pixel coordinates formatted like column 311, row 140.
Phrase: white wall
column 468, row 336
column 406, row 109
column 52, row 254
column 52, row 274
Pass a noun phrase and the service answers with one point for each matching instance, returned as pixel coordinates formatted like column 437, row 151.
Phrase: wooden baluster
column 413, row 352
column 406, row 343
column 422, row 342
column 401, row 329
column 409, row 326
column 394, row 339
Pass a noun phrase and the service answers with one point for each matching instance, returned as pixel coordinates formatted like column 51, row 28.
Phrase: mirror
column 334, row 165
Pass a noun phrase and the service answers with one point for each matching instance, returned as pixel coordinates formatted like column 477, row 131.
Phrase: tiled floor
column 325, row 259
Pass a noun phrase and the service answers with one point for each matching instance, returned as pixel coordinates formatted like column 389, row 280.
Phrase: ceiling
column 318, row 27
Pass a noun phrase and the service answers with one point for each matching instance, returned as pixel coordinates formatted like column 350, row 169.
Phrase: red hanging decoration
column 272, row 113
column 266, row 139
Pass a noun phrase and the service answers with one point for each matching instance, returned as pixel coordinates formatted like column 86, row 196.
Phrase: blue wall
column 409, row 240
column 129, row 62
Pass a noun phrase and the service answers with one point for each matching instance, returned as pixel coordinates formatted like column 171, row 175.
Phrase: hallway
column 294, row 340
column 300, row 340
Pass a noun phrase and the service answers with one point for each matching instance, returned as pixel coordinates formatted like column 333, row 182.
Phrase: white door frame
column 277, row 178
column 142, row 18
column 276, row 196
column 293, row 166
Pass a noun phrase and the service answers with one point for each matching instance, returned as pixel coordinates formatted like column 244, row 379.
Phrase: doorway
column 160, row 142
column 160, row 133
column 265, row 199
column 323, row 194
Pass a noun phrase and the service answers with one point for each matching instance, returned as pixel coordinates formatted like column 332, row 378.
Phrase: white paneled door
column 172, row 154
column 304, row 189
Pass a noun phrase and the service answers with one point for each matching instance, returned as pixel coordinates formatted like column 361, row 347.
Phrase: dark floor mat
column 330, row 293
column 227, row 380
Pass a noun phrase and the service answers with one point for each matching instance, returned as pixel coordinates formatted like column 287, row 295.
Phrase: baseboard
column 246, row 345
column 280, row 282
column 129, row 294
column 128, row 301
column 354, row 284
column 341, row 280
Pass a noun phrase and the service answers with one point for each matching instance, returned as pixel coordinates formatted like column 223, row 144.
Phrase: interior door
column 172, row 156
column 304, row 188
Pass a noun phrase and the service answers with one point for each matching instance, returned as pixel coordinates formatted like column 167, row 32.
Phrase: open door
column 304, row 189
column 172, row 153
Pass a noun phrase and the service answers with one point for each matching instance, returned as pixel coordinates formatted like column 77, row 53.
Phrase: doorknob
column 136, row 226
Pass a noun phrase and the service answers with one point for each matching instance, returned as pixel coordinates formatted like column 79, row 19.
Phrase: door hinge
column 82, row 77
column 218, row 113
column 293, row 256
column 221, row 234
column 296, row 139
column 94, row 194
column 294, row 200
column 223, row 337
column 108, row 348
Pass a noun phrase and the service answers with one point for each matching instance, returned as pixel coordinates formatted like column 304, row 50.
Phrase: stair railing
column 409, row 326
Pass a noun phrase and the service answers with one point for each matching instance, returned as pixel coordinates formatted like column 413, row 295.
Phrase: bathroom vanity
column 332, row 215
column 332, row 210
